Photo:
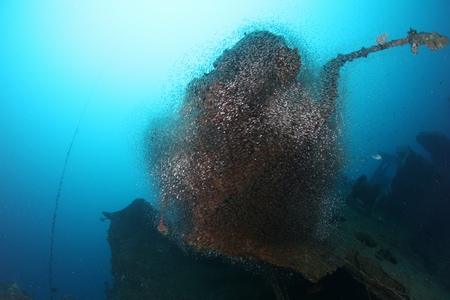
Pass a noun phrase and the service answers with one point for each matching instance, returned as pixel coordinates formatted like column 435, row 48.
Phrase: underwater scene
column 224, row 149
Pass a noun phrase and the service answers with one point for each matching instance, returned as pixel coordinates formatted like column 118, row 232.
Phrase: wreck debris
column 364, row 195
column 365, row 239
column 237, row 168
column 433, row 41
column 381, row 39
column 12, row 291
column 248, row 167
column 438, row 145
column 419, row 199
column 161, row 227
column 148, row 265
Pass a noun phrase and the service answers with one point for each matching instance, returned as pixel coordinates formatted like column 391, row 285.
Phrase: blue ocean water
column 103, row 69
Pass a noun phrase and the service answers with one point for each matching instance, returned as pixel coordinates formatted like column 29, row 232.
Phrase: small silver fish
column 377, row 156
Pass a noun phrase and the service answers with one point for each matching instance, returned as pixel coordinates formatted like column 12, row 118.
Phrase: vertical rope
column 52, row 238
column 50, row 267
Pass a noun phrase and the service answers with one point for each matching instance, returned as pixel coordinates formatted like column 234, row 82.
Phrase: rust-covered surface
column 248, row 167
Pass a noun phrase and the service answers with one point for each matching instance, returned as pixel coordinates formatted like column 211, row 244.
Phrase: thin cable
column 50, row 267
